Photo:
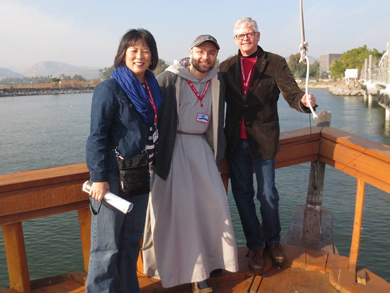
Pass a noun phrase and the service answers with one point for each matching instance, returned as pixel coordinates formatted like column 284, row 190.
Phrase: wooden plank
column 296, row 161
column 303, row 134
column 357, row 174
column 42, row 213
column 297, row 150
column 362, row 162
column 6, row 290
column 343, row 138
column 377, row 169
column 294, row 232
column 338, row 152
column 35, row 178
column 21, row 201
column 85, row 234
column 296, row 147
column 254, row 287
column 69, row 286
column 372, row 148
column 15, row 251
column 357, row 226
column 49, row 281
column 79, row 277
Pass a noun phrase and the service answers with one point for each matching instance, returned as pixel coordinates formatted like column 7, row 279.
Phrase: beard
column 201, row 68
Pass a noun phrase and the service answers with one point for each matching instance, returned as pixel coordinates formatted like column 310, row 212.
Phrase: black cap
column 204, row 38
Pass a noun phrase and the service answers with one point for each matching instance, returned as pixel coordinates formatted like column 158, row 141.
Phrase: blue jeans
column 241, row 170
column 115, row 245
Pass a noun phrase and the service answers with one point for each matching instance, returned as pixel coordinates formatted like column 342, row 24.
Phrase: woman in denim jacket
column 123, row 115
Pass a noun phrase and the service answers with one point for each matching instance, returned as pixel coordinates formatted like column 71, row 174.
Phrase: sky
column 88, row 32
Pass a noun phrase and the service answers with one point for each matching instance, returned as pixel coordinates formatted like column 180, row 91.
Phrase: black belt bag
column 134, row 175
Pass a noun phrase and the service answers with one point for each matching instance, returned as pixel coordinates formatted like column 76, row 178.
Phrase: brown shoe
column 256, row 260
column 275, row 252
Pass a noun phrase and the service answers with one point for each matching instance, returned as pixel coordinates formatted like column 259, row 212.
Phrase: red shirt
column 248, row 65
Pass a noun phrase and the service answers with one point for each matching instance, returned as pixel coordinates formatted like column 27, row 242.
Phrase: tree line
column 41, row 79
column 354, row 59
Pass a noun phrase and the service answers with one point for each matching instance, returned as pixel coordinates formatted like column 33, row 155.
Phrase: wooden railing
column 34, row 194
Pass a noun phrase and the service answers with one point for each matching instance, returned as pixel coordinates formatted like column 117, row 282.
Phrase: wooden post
column 311, row 227
column 85, row 234
column 370, row 68
column 365, row 79
column 15, row 251
column 324, row 118
column 365, row 69
column 369, row 100
column 357, row 225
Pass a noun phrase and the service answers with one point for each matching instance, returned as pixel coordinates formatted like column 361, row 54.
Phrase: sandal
column 196, row 289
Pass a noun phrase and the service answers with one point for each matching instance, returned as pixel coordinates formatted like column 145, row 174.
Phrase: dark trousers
column 241, row 169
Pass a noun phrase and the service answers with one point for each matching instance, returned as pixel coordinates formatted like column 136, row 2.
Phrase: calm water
column 46, row 131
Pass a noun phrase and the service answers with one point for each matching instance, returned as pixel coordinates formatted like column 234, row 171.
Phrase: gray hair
column 247, row 21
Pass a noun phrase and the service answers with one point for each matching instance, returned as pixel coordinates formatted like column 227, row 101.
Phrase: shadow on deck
column 304, row 271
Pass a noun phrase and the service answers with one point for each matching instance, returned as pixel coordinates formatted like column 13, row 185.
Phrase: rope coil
column 305, row 60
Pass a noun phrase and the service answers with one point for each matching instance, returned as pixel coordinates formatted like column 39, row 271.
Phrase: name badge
column 204, row 118
column 155, row 136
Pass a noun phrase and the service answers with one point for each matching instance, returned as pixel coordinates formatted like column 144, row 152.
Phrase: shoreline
column 336, row 88
column 44, row 91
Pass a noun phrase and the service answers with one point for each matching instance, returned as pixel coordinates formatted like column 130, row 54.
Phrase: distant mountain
column 55, row 69
column 6, row 73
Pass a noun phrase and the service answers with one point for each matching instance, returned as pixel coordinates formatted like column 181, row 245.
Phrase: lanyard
column 246, row 81
column 196, row 92
column 151, row 101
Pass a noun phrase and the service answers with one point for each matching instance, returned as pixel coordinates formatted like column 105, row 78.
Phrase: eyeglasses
column 242, row 36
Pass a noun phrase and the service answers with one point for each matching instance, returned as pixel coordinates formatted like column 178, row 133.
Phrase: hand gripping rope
column 305, row 60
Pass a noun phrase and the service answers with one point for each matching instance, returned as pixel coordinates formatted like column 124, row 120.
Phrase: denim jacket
column 114, row 122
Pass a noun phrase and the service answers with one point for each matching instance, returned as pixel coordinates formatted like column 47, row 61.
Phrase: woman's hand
column 99, row 189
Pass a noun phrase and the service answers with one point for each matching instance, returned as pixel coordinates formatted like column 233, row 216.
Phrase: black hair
column 130, row 39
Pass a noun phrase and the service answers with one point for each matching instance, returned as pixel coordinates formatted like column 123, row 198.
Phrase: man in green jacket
column 254, row 79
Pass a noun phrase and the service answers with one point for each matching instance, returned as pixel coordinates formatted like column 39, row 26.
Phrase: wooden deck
column 304, row 271
column 309, row 267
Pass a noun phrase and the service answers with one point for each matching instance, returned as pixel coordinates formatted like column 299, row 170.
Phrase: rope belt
column 182, row 132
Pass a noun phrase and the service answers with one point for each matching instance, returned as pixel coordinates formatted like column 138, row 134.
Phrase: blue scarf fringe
column 137, row 94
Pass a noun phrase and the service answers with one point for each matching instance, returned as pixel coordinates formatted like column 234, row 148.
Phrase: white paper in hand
column 117, row 202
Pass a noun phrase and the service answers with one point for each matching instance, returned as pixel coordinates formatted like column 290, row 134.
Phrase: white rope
column 305, row 60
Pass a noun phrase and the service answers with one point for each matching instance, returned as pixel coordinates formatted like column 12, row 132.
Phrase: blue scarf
column 137, row 94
